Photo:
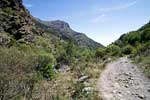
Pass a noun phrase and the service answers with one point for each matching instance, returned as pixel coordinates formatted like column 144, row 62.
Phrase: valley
column 48, row 60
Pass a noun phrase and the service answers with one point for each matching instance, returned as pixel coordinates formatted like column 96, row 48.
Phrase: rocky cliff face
column 16, row 22
column 14, row 18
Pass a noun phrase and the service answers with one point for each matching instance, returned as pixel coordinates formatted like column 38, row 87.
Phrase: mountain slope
column 38, row 61
column 145, row 26
column 137, row 44
column 65, row 32
column 135, row 38
column 17, row 21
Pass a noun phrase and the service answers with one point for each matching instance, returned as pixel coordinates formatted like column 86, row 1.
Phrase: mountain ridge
column 66, row 32
column 17, row 21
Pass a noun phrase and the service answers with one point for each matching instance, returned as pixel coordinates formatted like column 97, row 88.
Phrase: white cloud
column 120, row 7
column 29, row 5
column 99, row 19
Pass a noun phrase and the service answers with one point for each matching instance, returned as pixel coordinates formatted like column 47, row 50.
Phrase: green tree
column 132, row 38
column 100, row 52
column 48, row 71
column 70, row 49
column 113, row 50
column 128, row 50
column 146, row 35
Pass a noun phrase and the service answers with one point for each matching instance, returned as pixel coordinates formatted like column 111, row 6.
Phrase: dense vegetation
column 28, row 70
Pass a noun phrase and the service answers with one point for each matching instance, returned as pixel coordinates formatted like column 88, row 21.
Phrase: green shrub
column 146, row 65
column 48, row 71
column 133, row 38
column 43, row 44
column 17, row 71
column 70, row 49
column 128, row 50
column 43, row 64
column 144, row 50
column 78, row 90
column 146, row 35
column 113, row 50
column 13, row 59
column 100, row 52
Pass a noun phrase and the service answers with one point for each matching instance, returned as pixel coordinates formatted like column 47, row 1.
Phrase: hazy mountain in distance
column 65, row 32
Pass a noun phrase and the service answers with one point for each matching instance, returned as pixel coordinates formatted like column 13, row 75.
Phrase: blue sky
column 102, row 20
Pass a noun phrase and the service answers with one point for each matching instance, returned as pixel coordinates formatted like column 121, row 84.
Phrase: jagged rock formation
column 14, row 18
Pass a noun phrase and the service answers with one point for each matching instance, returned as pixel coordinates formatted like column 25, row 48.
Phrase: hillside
column 140, row 40
column 137, row 44
column 65, row 32
column 125, row 77
column 38, row 60
column 17, row 21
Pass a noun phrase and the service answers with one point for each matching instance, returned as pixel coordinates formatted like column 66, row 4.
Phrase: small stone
column 115, row 91
column 87, row 89
column 120, row 95
column 116, row 85
column 130, row 78
column 119, row 92
column 126, row 86
column 141, row 97
column 83, row 78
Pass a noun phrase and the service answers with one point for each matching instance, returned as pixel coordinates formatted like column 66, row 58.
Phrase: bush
column 133, row 38
column 100, row 52
column 43, row 44
column 78, row 90
column 14, row 60
column 113, row 50
column 146, row 65
column 17, row 71
column 48, row 71
column 144, row 50
column 128, row 50
column 43, row 65
column 146, row 35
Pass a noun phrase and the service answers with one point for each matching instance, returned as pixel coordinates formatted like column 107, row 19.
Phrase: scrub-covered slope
column 39, row 62
column 65, row 32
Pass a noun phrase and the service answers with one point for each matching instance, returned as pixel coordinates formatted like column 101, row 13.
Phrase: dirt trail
column 124, row 81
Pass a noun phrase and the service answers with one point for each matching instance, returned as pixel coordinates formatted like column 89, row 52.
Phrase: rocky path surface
column 122, row 80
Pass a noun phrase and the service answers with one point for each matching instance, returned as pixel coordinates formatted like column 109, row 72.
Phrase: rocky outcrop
column 15, row 20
